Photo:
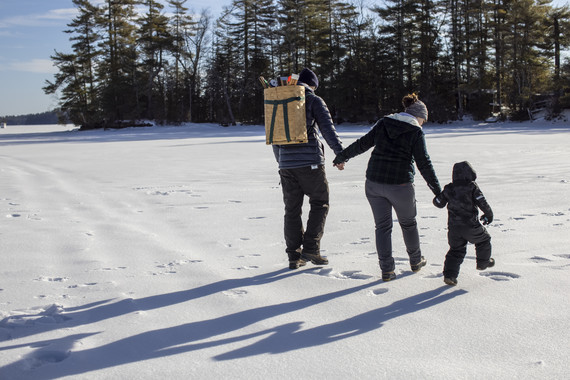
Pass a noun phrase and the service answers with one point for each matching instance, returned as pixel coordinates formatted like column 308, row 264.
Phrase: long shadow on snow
column 172, row 340
column 103, row 310
column 288, row 337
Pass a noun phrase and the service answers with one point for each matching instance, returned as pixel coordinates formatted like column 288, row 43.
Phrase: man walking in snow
column 302, row 172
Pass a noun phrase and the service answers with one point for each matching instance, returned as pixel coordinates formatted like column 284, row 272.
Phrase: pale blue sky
column 30, row 31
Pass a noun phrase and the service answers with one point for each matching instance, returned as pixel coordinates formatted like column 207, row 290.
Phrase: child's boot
column 486, row 264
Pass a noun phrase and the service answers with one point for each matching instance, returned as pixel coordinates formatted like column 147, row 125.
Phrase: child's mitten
column 486, row 219
column 440, row 201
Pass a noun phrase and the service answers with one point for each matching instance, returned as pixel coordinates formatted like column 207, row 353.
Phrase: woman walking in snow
column 398, row 141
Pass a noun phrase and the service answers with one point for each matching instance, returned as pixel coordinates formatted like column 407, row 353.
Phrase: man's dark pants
column 296, row 183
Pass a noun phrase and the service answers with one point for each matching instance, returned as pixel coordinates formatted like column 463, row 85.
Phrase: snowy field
column 158, row 253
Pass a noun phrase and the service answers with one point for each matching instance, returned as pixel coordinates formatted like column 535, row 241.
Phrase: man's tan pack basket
column 285, row 118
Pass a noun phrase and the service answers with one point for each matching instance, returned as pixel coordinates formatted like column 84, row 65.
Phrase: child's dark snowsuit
column 463, row 197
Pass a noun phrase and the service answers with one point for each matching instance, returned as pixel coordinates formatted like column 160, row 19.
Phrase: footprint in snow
column 177, row 263
column 363, row 240
column 48, row 315
column 559, row 213
column 563, row 255
column 13, row 215
column 323, row 272
column 82, row 285
column 351, row 274
column 109, row 269
column 377, row 292
column 248, row 267
column 435, row 275
column 354, row 275
column 162, row 273
column 233, row 293
column 539, row 259
column 52, row 279
column 42, row 357
column 500, row 276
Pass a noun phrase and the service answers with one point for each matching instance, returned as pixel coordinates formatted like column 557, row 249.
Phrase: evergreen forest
column 145, row 60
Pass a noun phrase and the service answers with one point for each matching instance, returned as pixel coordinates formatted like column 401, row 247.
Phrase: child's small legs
column 482, row 241
column 458, row 237
column 483, row 250
column 455, row 255
column 453, row 261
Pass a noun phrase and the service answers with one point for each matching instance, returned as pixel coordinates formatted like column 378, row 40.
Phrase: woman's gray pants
column 402, row 198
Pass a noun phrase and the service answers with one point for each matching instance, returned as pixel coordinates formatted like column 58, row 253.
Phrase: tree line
column 149, row 60
column 49, row 117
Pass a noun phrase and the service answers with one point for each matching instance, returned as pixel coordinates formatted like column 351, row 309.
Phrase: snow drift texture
column 158, row 253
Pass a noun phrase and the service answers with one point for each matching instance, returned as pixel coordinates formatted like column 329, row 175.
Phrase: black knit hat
column 309, row 78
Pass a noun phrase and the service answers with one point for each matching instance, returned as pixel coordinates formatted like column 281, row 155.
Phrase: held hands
column 486, row 219
column 339, row 162
column 439, row 201
column 339, row 166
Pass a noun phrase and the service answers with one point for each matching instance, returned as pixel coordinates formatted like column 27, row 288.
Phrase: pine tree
column 155, row 41
column 189, row 40
column 80, row 96
column 354, row 98
column 499, row 30
column 118, row 70
column 397, row 32
column 248, row 27
column 527, row 62
column 222, row 72
column 558, row 37
column 288, row 53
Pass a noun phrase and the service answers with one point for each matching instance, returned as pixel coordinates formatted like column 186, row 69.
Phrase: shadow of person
column 289, row 337
column 176, row 340
column 107, row 309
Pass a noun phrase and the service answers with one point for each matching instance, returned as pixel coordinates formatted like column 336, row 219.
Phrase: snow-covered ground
column 158, row 253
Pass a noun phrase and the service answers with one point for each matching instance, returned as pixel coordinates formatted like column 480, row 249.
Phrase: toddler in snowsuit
column 463, row 197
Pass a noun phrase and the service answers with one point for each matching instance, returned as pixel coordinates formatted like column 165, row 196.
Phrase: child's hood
column 463, row 172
